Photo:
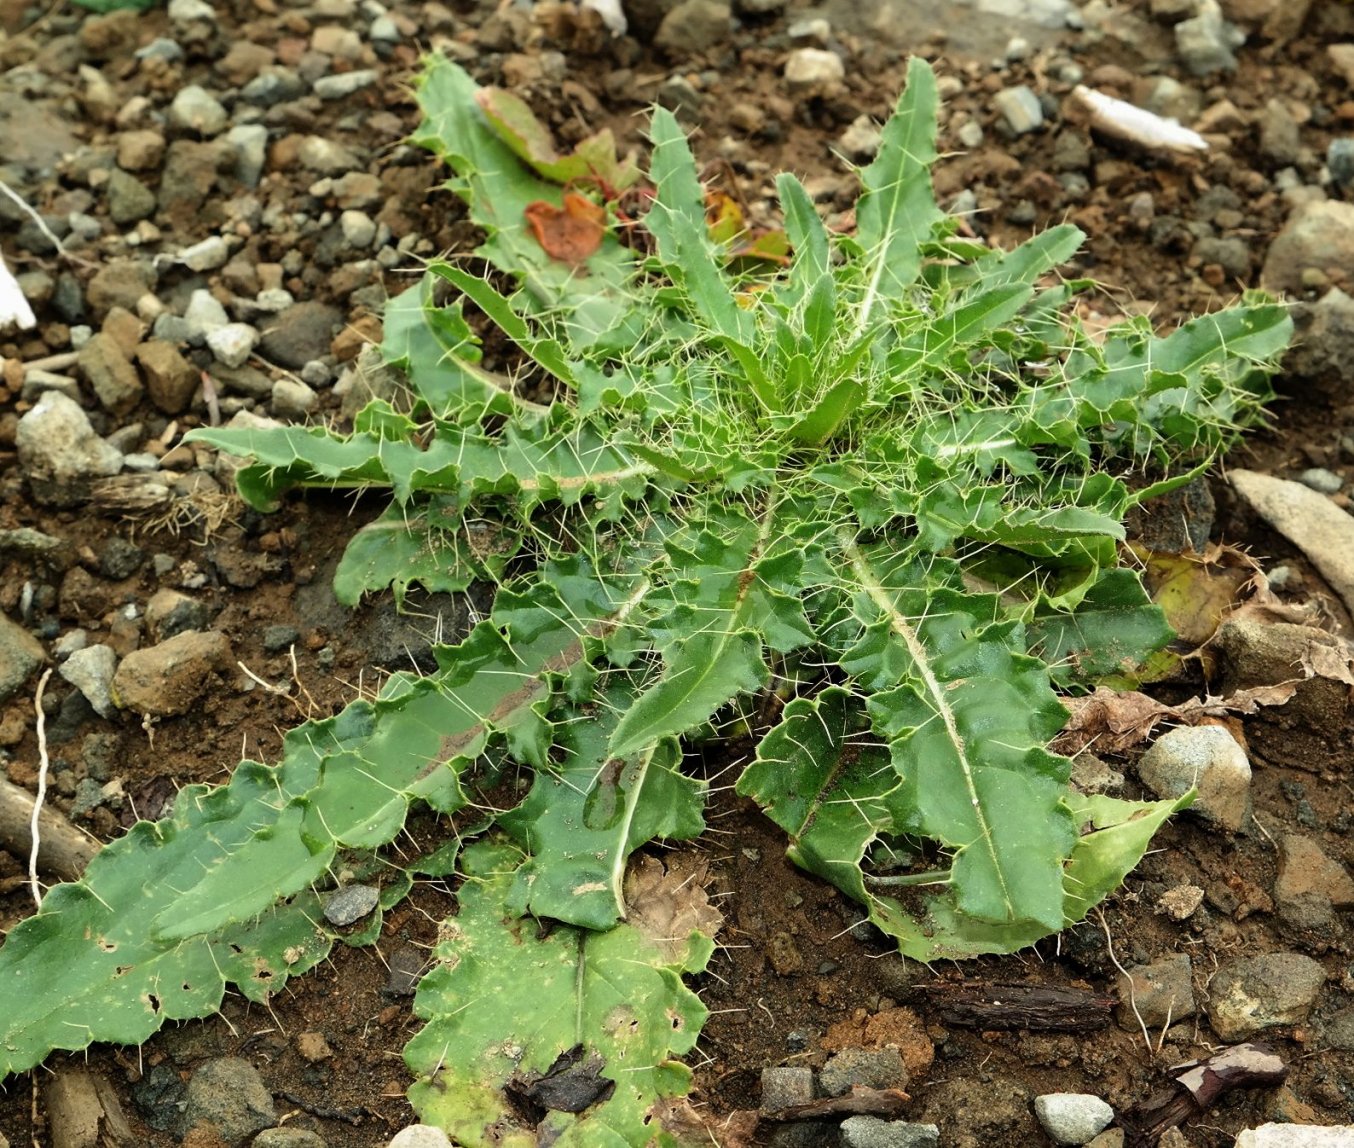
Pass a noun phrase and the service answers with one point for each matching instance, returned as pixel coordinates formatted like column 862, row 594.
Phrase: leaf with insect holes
column 610, row 1002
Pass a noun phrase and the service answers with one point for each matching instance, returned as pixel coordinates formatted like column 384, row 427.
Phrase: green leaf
column 897, row 211
column 966, row 713
column 438, row 352
column 1111, row 631
column 545, row 352
column 583, row 819
column 516, row 125
column 709, row 670
column 819, row 779
column 506, row 1001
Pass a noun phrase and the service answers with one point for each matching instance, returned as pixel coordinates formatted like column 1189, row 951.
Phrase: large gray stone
column 1318, row 236
column 20, row 655
column 1311, row 521
column 1257, row 993
column 1161, row 993
column 91, row 672
column 229, row 1095
column 694, row 26
column 166, row 679
column 872, row 1132
column 1072, row 1117
column 1297, row 1136
column 1205, row 757
column 420, row 1136
column 59, row 452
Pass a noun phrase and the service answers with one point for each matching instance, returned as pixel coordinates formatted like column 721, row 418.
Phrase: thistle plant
column 863, row 507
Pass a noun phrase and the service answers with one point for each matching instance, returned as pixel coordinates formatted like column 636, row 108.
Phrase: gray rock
column 108, row 371
column 1297, row 1136
column 288, row 1137
column 677, row 94
column 169, row 612
column 1231, row 254
column 91, row 672
column 1020, row 108
column 302, row 332
column 1256, row 993
column 694, row 26
column 273, row 85
column 359, row 229
column 758, row 7
column 189, row 176
column 1072, row 1117
column 1321, row 480
column 120, row 558
column 129, row 200
column 250, row 144
column 1339, row 1031
column 166, row 679
column 161, row 48
column 184, row 13
column 813, row 72
column 203, row 315
column 205, row 255
column 1161, row 992
column 1206, row 757
column 1205, row 42
column 1279, row 136
column 786, row 1086
column 862, row 139
column 1324, row 345
column 1044, row 13
column 1319, row 528
column 419, row 1136
column 344, row 83
column 195, row 109
column 229, row 1095
column 315, row 153
column 1340, row 160
column 384, row 31
column 1318, row 236
column 20, row 655
column 233, row 343
column 170, row 379
column 351, row 903
column 59, row 452
column 871, row 1067
column 292, row 399
column 35, row 547
column 278, row 638
column 872, row 1132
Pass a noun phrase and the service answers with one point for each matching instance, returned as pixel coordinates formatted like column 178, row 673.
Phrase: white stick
column 42, row 789
column 14, row 308
column 1135, row 124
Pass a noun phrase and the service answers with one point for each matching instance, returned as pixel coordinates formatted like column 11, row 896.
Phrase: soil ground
column 791, row 965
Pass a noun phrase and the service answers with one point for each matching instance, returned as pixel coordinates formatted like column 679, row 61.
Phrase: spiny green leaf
column 709, row 670
column 966, row 713
column 583, row 819
column 897, row 210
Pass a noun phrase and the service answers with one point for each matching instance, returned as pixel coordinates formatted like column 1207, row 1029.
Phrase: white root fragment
column 14, row 308
column 1137, row 125
column 612, row 16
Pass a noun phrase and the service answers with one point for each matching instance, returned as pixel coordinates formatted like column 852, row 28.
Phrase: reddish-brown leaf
column 571, row 233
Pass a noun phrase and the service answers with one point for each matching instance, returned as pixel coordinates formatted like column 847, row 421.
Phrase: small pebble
column 1321, row 480
column 351, row 903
